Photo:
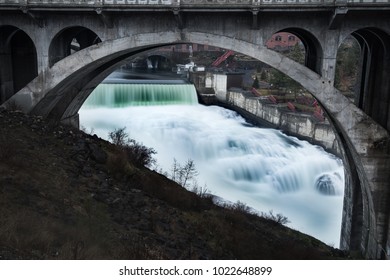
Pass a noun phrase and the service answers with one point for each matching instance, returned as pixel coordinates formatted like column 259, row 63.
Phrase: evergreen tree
column 263, row 76
column 297, row 53
column 256, row 83
column 280, row 80
column 347, row 65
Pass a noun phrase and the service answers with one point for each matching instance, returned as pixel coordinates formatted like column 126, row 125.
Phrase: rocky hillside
column 67, row 195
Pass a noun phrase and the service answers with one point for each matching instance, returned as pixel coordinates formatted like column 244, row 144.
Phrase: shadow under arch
column 18, row 61
column 313, row 49
column 70, row 40
column 158, row 61
column 373, row 89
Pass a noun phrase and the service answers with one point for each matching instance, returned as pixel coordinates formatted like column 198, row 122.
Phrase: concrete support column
column 328, row 70
column 42, row 40
column 330, row 46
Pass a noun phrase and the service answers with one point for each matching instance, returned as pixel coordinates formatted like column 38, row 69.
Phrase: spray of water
column 262, row 167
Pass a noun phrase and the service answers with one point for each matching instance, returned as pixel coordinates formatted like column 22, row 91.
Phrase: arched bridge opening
column 86, row 68
column 71, row 40
column 373, row 90
column 158, row 62
column 313, row 51
column 71, row 80
column 18, row 60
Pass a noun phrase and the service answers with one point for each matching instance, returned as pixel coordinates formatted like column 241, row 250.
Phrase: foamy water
column 261, row 167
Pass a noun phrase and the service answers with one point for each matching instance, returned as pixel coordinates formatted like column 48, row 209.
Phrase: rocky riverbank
column 65, row 194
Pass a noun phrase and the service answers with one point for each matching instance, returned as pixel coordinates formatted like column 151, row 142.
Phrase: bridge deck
column 222, row 5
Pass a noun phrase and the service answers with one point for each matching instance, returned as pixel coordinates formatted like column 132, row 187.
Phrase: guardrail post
column 105, row 18
column 177, row 13
column 255, row 18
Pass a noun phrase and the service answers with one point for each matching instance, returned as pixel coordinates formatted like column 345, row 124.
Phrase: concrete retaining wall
column 276, row 115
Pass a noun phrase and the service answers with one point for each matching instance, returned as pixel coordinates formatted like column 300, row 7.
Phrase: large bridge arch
column 74, row 68
column 72, row 79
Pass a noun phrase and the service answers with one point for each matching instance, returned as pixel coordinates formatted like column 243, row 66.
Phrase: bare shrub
column 202, row 192
column 119, row 136
column 140, row 154
column 241, row 207
column 136, row 152
column 184, row 175
column 277, row 218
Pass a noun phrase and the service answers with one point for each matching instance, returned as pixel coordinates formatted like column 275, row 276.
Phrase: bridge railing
column 184, row 3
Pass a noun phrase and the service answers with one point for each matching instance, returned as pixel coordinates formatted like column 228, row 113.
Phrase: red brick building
column 282, row 41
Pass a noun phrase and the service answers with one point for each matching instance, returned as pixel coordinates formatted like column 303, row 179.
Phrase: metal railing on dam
column 199, row 4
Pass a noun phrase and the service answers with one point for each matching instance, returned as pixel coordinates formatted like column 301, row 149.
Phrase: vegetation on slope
column 65, row 194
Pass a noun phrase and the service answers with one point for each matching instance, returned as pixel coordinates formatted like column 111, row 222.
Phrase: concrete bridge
column 53, row 53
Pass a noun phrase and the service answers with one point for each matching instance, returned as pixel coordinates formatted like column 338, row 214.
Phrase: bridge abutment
column 73, row 121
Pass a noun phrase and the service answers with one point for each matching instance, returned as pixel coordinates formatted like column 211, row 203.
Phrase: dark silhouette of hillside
column 65, row 194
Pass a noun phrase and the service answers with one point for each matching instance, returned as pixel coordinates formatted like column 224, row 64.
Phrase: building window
column 291, row 38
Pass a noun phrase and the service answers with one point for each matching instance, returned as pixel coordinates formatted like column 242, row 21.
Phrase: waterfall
column 123, row 95
column 261, row 167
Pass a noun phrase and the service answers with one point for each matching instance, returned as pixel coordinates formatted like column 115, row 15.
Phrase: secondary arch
column 313, row 49
column 373, row 90
column 70, row 40
column 18, row 58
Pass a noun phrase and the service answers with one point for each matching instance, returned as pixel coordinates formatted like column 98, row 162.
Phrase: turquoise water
column 124, row 95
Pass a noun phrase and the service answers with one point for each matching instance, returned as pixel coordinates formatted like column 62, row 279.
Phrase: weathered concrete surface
column 59, row 91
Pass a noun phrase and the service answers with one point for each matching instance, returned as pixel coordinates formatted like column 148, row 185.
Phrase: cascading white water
column 263, row 168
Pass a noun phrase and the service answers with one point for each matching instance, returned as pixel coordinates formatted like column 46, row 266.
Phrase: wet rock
column 324, row 185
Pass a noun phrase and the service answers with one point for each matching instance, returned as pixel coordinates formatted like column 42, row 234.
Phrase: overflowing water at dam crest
column 263, row 168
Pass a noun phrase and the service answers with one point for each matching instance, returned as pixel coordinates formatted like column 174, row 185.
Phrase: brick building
column 282, row 41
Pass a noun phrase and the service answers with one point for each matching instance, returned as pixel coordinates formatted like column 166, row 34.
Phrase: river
column 236, row 161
